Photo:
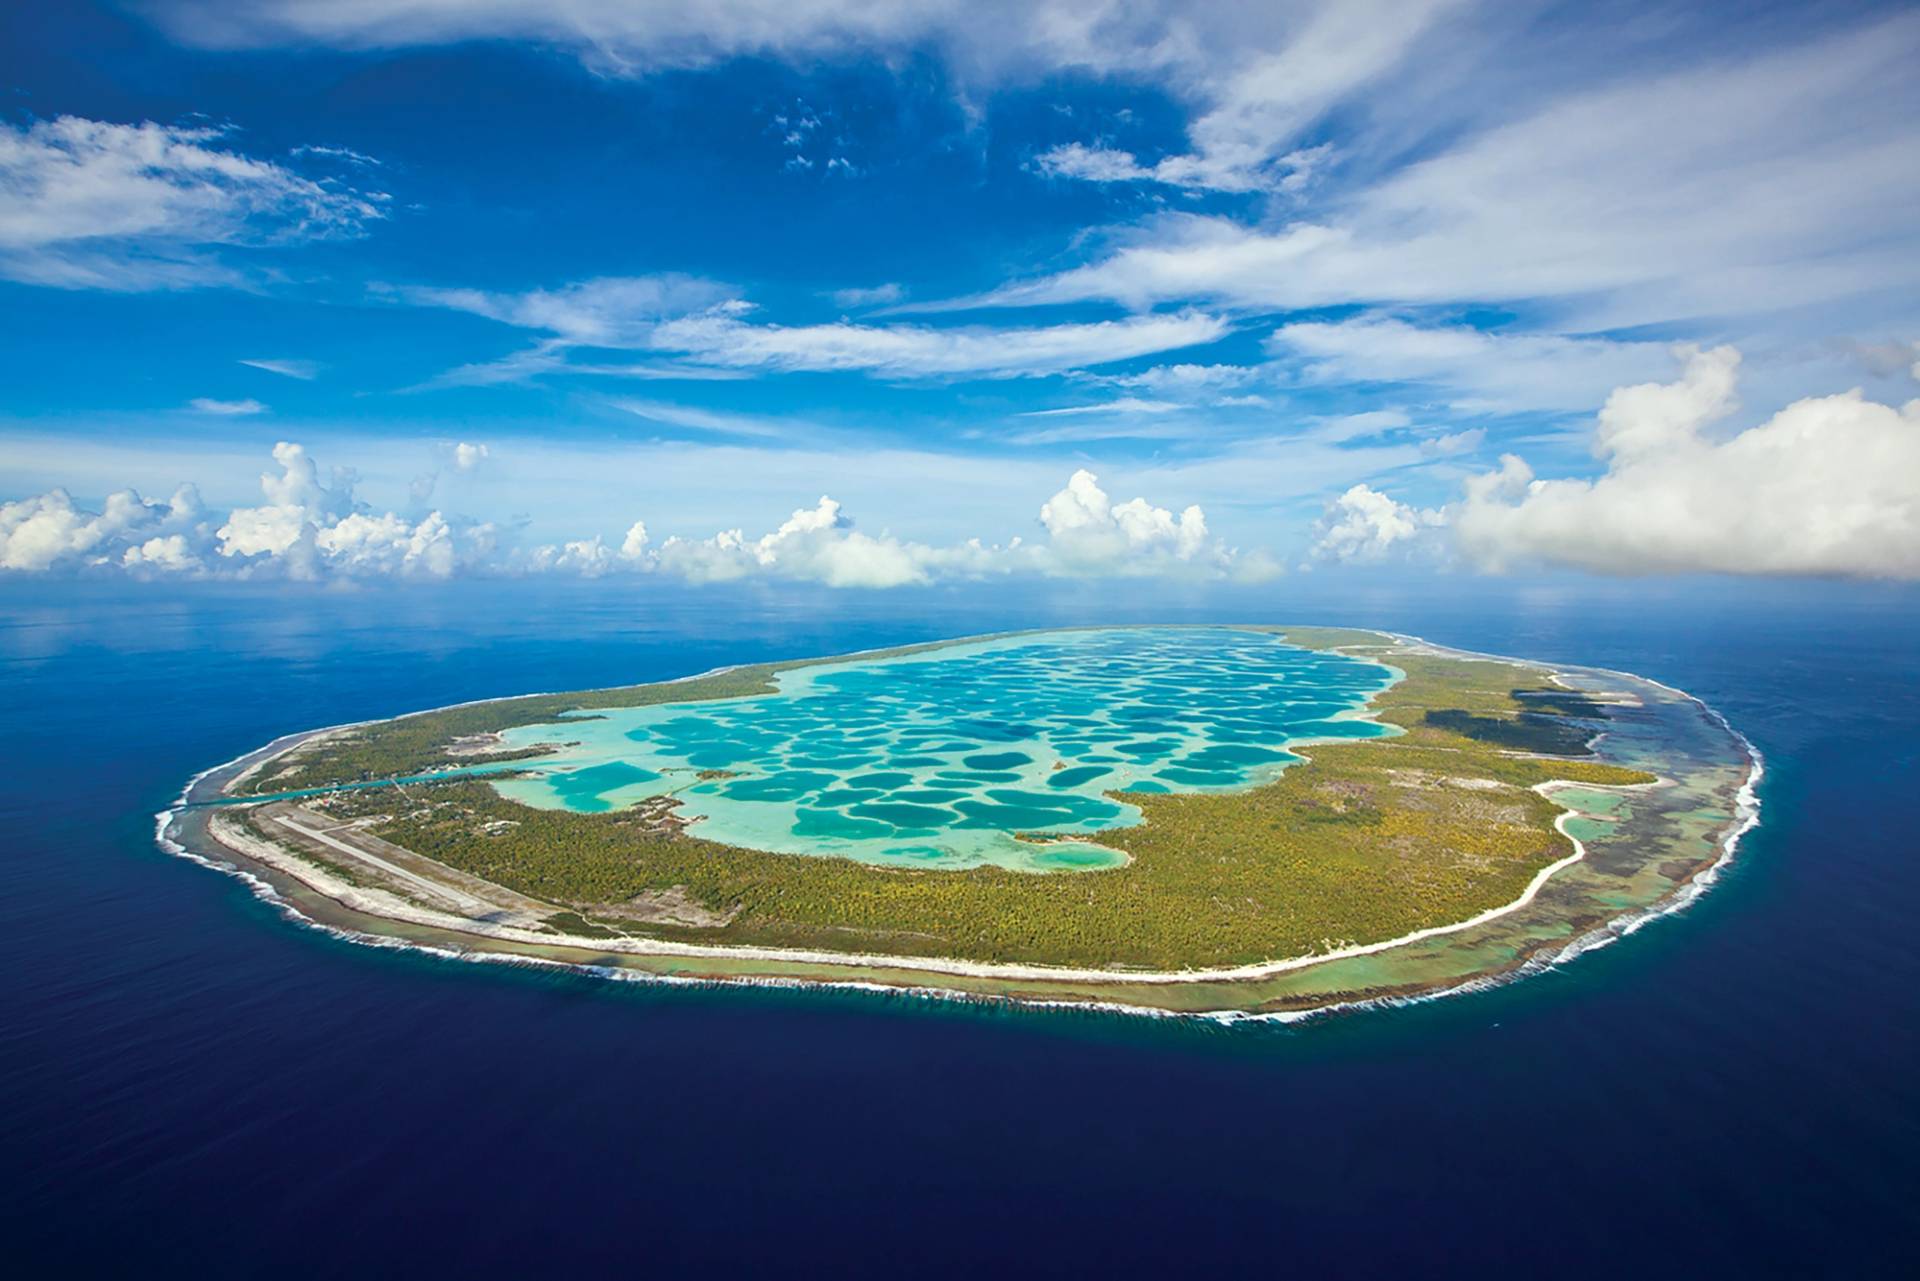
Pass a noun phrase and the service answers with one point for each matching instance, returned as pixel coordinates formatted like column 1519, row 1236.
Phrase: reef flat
column 1199, row 820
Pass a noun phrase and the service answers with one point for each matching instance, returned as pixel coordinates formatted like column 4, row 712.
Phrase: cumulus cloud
column 314, row 528
column 92, row 204
column 51, row 533
column 585, row 557
column 1826, row 486
column 307, row 529
column 816, row 544
column 1087, row 536
column 1090, row 535
column 467, row 456
column 1364, row 524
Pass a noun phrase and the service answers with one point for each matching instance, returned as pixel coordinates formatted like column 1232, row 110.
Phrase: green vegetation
column 573, row 923
column 1370, row 840
column 418, row 744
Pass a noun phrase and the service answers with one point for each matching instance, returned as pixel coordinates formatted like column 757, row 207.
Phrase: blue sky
column 586, row 288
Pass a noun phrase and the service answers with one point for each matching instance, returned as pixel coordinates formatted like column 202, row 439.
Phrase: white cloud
column 1490, row 371
column 913, row 351
column 706, row 326
column 1123, row 405
column 584, row 557
column 1258, row 105
column 92, row 204
column 611, row 311
column 389, row 545
column 1451, row 443
column 1091, row 164
column 1258, row 76
column 554, row 356
column 310, row 530
column 467, row 456
column 1184, row 43
column 346, row 154
column 313, row 529
column 304, row 370
column 1724, row 187
column 226, row 408
column 878, row 296
column 816, row 544
column 1626, row 172
column 1826, row 486
column 1088, row 534
column 709, row 420
column 1187, row 379
column 1364, row 524
column 50, row 533
column 165, row 554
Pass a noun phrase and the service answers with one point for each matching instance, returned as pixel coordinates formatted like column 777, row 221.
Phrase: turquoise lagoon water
column 941, row 757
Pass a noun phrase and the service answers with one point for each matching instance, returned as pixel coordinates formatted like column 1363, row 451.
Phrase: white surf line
column 460, row 898
column 266, row 892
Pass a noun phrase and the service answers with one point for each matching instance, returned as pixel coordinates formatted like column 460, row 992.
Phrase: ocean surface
column 195, row 1086
column 941, row 758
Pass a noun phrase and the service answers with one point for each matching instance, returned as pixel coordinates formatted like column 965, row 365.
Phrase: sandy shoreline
column 383, row 906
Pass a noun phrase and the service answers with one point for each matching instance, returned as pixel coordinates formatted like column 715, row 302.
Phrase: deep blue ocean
column 195, row 1086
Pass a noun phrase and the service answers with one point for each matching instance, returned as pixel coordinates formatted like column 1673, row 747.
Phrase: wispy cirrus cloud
column 1481, row 370
column 715, row 422
column 90, row 204
column 1122, row 405
column 226, row 408
column 1254, row 108
column 918, row 351
column 1748, row 186
column 304, row 370
column 705, row 325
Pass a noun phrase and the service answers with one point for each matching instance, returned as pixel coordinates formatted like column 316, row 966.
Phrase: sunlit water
column 945, row 758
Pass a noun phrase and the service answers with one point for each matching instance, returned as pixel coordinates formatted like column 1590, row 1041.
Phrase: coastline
column 651, row 959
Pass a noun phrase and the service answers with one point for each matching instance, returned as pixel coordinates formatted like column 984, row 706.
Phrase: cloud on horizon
column 313, row 529
column 1826, row 487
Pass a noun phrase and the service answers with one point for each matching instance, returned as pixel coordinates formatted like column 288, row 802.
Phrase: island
column 1238, row 822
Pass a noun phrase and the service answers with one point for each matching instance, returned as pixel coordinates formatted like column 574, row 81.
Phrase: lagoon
column 949, row 757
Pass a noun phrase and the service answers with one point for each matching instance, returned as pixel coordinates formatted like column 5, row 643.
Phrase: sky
column 879, row 295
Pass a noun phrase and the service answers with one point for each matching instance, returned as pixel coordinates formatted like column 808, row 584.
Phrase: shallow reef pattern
column 948, row 757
